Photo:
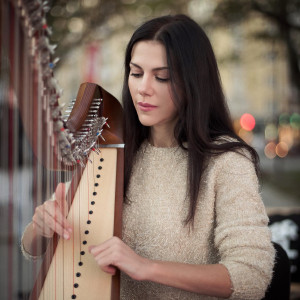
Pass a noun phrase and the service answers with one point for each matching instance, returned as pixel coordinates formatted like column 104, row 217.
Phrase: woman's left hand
column 114, row 253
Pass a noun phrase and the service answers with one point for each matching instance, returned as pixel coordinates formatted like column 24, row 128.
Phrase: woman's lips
column 146, row 106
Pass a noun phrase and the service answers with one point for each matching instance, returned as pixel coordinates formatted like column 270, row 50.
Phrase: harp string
column 10, row 174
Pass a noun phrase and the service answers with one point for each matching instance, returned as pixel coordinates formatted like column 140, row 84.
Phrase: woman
column 194, row 226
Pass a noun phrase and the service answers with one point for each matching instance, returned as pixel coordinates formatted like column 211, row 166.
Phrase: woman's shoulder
column 237, row 159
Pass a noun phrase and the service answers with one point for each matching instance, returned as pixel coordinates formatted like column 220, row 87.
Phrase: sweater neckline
column 149, row 145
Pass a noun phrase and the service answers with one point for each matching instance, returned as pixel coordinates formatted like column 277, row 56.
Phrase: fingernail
column 66, row 236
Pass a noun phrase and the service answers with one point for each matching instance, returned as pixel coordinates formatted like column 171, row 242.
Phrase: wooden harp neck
column 96, row 116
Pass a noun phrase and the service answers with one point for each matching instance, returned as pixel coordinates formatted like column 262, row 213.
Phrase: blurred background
column 257, row 45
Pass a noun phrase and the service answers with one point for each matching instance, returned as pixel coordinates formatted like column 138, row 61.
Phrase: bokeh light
column 89, row 3
column 295, row 120
column 284, row 119
column 270, row 150
column 271, row 132
column 76, row 25
column 282, row 149
column 285, row 134
column 247, row 122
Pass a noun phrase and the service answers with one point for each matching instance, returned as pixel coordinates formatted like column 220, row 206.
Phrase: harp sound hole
column 82, row 252
column 73, row 296
column 84, row 242
column 90, row 212
column 93, row 202
column 99, row 168
column 101, row 159
column 80, row 264
column 94, row 193
column 98, row 176
column 96, row 184
column 86, row 232
column 88, row 222
column 76, row 285
column 78, row 274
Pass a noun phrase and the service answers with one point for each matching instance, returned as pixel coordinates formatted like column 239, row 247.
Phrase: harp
column 39, row 149
column 95, row 201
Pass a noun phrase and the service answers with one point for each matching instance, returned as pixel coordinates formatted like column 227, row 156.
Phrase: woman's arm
column 33, row 245
column 48, row 218
column 241, row 235
column 211, row 280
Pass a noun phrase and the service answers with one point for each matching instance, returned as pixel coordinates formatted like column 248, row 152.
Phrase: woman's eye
column 137, row 75
column 162, row 79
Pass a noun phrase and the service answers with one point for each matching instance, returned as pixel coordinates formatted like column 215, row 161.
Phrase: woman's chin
column 147, row 123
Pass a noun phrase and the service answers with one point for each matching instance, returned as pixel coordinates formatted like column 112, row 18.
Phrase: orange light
column 282, row 149
column 247, row 122
column 286, row 135
column 270, row 150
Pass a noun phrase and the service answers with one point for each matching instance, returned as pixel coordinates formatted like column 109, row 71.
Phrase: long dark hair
column 203, row 116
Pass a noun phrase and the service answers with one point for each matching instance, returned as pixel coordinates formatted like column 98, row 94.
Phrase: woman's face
column 149, row 85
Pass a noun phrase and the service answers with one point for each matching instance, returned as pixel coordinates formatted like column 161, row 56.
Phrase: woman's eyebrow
column 155, row 69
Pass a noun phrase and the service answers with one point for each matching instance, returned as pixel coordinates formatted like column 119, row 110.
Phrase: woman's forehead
column 149, row 53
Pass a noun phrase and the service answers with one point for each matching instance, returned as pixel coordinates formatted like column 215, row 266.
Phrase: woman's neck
column 162, row 138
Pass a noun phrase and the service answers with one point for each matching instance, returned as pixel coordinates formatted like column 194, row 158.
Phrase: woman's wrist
column 33, row 245
column 150, row 270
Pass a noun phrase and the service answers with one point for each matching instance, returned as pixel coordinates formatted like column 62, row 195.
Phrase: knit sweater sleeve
column 241, row 232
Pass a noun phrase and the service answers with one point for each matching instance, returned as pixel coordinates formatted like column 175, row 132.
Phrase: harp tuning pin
column 107, row 124
column 99, row 134
column 80, row 163
column 53, row 63
column 96, row 150
column 47, row 29
column 46, row 9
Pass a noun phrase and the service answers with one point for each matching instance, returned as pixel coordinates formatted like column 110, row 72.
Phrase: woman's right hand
column 50, row 217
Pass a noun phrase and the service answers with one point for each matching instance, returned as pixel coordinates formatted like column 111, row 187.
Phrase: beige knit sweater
column 230, row 222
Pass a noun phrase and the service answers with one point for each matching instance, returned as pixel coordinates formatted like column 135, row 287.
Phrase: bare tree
column 284, row 15
column 73, row 22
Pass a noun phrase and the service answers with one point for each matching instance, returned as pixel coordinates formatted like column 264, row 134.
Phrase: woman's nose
column 145, row 87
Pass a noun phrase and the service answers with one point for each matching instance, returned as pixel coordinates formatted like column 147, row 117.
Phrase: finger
column 91, row 248
column 50, row 217
column 106, row 262
column 109, row 252
column 55, row 211
column 42, row 230
column 58, row 223
column 47, row 226
column 60, row 196
column 95, row 249
column 109, row 269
